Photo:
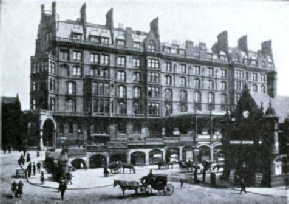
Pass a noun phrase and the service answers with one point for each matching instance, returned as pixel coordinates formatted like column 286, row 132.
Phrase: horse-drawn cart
column 147, row 184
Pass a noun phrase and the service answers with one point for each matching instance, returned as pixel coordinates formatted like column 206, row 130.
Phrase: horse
column 186, row 165
column 115, row 167
column 218, row 166
column 128, row 166
column 127, row 185
column 163, row 164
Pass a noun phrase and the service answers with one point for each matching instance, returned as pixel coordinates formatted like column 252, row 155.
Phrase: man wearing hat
column 62, row 188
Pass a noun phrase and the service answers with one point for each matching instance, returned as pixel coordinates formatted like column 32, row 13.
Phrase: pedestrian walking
column 9, row 149
column 24, row 151
column 4, row 148
column 62, row 188
column 42, row 178
column 19, row 191
column 37, row 153
column 28, row 157
column 34, row 169
column 14, row 187
column 243, row 186
column 29, row 168
column 182, row 183
column 105, row 172
column 69, row 177
column 38, row 167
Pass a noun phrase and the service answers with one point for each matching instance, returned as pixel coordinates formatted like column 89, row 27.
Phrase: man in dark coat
column 38, row 167
column 29, row 168
column 28, row 157
column 34, row 169
column 62, row 188
column 19, row 191
column 14, row 187
column 243, row 175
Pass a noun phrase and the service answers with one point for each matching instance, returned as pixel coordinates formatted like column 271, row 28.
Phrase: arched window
column 121, row 91
column 168, row 80
column 224, row 85
column 263, row 89
column 183, row 81
column 76, row 71
column 136, row 92
column 197, row 83
column 168, row 109
column 255, row 88
column 198, row 97
column 121, row 75
column 183, row 95
column 136, row 108
column 210, row 84
column 168, row 94
column 151, row 46
column 211, row 97
column 71, row 88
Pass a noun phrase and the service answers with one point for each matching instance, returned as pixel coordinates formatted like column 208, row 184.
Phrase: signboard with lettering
column 232, row 176
column 241, row 142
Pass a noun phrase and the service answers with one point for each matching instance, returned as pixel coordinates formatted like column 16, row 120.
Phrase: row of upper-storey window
column 239, row 85
column 35, row 104
column 253, row 62
column 43, row 67
column 241, row 74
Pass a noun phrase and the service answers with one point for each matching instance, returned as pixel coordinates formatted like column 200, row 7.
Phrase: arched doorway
column 138, row 158
column 48, row 133
column 118, row 157
column 97, row 161
column 78, row 164
column 204, row 153
column 172, row 155
column 188, row 153
column 155, row 156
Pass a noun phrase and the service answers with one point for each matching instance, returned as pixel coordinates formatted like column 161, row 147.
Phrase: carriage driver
column 150, row 177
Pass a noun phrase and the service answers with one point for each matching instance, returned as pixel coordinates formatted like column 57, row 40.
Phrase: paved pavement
column 90, row 178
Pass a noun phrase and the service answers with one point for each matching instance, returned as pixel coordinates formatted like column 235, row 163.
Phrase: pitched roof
column 279, row 103
column 8, row 100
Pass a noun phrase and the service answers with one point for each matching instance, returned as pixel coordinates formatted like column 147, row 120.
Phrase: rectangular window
column 120, row 43
column 70, row 128
column 247, row 75
column 239, row 74
column 94, row 58
column 93, row 38
column 153, row 77
column 153, row 63
column 121, row 75
column 238, row 85
column 33, row 104
column 168, row 66
column 52, row 104
column 77, row 36
column 64, row 54
column 104, row 72
column 223, row 73
column 263, row 77
column 211, row 71
column 183, row 68
column 136, row 45
column 255, row 76
column 154, row 109
column 136, row 76
column 121, row 61
column 70, row 106
column 153, row 92
column 76, row 71
column 182, row 52
column 197, row 70
column 136, row 62
column 105, row 41
column 104, row 59
column 77, row 56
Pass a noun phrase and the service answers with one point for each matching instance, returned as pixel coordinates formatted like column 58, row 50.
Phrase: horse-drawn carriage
column 115, row 167
column 165, row 165
column 147, row 184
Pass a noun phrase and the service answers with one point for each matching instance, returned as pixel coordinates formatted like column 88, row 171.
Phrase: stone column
column 128, row 157
column 41, row 146
column 212, row 153
column 147, row 158
column 164, row 154
column 180, row 153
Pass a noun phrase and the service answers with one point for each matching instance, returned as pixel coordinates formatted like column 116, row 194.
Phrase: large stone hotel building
column 122, row 94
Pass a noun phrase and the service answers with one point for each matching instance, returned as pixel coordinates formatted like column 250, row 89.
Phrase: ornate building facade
column 125, row 95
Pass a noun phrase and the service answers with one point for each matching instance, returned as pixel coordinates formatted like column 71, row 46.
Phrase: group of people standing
column 17, row 188
column 7, row 149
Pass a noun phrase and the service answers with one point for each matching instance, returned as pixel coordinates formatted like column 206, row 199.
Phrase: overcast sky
column 180, row 20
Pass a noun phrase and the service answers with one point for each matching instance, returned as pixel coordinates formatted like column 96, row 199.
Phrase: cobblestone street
column 89, row 186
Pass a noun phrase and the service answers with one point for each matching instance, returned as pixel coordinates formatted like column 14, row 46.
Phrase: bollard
column 213, row 179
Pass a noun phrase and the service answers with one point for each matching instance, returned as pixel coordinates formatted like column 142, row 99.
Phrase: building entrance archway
column 204, row 153
column 48, row 133
column 138, row 158
column 118, row 157
column 155, row 156
column 97, row 161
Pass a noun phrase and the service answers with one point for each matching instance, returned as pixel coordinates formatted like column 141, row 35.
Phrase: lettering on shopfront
column 240, row 142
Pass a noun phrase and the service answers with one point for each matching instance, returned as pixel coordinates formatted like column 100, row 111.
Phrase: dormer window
column 182, row 52
column 136, row 45
column 236, row 58
column 93, row 38
column 151, row 46
column 120, row 43
column 104, row 41
column 210, row 56
column 253, row 62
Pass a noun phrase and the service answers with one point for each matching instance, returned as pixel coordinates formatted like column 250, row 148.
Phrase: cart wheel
column 149, row 190
column 169, row 189
column 142, row 189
